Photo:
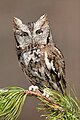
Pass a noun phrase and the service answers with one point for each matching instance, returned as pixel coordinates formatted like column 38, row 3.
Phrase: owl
column 40, row 59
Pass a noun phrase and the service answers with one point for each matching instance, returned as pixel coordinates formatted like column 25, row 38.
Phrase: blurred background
column 64, row 17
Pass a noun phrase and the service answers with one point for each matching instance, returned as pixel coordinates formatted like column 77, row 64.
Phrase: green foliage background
column 12, row 100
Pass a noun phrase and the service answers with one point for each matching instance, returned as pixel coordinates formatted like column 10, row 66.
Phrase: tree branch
column 39, row 94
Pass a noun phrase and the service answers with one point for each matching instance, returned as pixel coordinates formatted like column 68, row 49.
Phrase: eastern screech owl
column 38, row 56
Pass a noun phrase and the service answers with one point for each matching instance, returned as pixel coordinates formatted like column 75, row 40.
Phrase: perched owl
column 38, row 56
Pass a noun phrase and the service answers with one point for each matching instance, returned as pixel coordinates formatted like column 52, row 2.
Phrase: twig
column 39, row 94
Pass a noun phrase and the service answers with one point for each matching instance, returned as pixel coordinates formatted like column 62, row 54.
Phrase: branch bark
column 39, row 94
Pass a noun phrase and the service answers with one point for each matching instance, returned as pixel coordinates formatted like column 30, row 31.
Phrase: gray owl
column 38, row 56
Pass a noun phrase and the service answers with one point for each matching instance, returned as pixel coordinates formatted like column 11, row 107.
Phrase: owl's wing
column 55, row 64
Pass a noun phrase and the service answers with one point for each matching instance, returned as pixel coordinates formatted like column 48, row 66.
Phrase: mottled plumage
column 38, row 56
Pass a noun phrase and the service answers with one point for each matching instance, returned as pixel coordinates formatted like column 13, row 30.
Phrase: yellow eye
column 39, row 31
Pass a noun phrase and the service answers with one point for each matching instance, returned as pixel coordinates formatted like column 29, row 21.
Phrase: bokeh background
column 64, row 17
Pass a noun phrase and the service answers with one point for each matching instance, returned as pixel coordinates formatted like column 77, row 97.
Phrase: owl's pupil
column 24, row 34
column 39, row 31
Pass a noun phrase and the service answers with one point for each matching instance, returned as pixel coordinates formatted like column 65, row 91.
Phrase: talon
column 45, row 93
column 33, row 88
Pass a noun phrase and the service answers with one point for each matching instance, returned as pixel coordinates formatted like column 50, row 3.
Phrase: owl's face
column 33, row 33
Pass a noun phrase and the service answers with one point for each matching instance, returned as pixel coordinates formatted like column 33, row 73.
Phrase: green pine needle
column 70, row 107
column 11, row 102
column 57, row 106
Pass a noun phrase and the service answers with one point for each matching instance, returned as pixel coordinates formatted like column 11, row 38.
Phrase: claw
column 45, row 93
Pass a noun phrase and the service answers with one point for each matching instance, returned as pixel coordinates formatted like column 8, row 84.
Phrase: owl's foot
column 33, row 88
column 45, row 93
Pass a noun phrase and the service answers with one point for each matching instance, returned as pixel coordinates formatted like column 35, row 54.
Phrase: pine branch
column 11, row 102
column 70, row 107
column 56, row 106
column 40, row 96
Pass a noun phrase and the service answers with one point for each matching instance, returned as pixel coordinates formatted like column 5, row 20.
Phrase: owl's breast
column 31, row 57
column 34, row 64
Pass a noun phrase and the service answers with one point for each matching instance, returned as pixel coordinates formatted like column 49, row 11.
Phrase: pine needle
column 11, row 102
column 56, row 106
column 70, row 107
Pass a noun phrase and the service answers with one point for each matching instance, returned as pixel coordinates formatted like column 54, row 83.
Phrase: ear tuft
column 16, row 22
column 42, row 21
column 44, row 17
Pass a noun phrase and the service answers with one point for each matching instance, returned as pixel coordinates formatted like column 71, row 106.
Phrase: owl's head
column 33, row 33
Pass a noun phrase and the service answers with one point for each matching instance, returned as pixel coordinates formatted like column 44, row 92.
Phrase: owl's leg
column 33, row 88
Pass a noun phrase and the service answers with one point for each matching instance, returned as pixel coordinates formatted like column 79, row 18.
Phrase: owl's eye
column 24, row 34
column 39, row 31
